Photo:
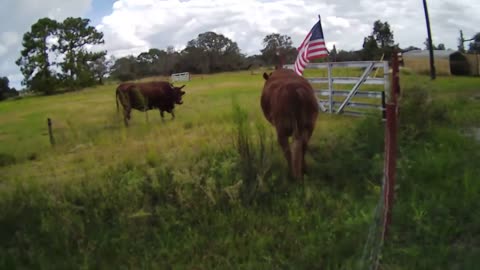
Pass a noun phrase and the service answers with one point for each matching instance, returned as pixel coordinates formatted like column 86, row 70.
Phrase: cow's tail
column 117, row 96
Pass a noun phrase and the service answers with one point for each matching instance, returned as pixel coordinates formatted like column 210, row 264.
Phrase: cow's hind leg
column 126, row 116
column 297, row 157
column 173, row 114
column 307, row 134
column 161, row 114
column 282, row 137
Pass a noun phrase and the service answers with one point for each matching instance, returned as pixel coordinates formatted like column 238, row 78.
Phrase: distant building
column 447, row 62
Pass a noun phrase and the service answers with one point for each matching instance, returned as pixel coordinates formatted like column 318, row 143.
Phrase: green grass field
column 184, row 193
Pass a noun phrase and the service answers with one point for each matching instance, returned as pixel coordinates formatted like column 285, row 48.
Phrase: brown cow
column 289, row 103
column 147, row 96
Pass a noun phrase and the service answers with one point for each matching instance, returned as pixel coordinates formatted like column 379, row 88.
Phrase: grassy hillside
column 184, row 194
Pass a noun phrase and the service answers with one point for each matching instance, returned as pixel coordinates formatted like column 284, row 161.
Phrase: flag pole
column 320, row 21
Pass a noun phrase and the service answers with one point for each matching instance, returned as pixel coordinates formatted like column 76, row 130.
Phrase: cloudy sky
column 133, row 26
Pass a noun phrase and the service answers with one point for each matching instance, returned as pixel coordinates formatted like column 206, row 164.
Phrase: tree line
column 58, row 56
column 209, row 52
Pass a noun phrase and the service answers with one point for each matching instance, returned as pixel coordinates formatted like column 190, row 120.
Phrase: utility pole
column 430, row 43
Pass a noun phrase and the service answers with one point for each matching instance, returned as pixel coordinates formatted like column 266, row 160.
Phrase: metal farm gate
column 334, row 98
column 179, row 77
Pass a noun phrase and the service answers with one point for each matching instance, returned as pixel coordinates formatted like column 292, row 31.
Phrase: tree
column 379, row 42
column 75, row 35
column 68, row 43
column 282, row 44
column 461, row 46
column 343, row 56
column 333, row 54
column 124, row 68
column 193, row 59
column 5, row 90
column 370, row 48
column 383, row 34
column 427, row 45
column 221, row 52
column 172, row 59
column 153, row 62
column 34, row 60
column 100, row 68
column 441, row 46
column 410, row 48
column 474, row 46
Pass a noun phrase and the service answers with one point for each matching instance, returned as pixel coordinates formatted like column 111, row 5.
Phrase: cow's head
column 266, row 76
column 178, row 93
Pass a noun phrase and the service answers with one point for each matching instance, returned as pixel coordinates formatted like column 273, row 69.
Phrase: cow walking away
column 148, row 96
column 289, row 104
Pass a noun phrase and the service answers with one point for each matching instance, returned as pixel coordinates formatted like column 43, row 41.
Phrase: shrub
column 418, row 113
column 6, row 159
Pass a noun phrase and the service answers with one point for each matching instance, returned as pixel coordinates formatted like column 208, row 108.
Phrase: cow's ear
column 182, row 86
column 265, row 76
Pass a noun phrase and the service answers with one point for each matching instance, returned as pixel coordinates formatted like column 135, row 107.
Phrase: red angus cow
column 148, row 96
column 289, row 103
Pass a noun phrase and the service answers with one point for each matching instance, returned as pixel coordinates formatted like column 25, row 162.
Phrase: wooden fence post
column 50, row 132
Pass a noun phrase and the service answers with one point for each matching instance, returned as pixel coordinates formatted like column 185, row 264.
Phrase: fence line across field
column 326, row 96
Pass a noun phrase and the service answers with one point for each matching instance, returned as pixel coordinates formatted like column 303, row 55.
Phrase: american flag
column 312, row 47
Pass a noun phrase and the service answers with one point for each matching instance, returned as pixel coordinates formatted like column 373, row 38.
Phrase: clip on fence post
column 50, row 132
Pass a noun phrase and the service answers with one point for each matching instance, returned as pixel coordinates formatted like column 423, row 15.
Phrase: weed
column 6, row 159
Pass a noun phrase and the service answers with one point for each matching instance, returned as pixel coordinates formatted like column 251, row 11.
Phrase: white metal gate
column 326, row 99
column 176, row 77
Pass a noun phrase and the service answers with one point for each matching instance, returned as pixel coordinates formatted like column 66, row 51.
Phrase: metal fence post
column 330, row 87
column 390, row 164
column 391, row 147
column 386, row 77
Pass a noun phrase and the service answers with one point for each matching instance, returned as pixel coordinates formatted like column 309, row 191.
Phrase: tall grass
column 209, row 190
column 435, row 222
column 255, row 153
column 229, row 207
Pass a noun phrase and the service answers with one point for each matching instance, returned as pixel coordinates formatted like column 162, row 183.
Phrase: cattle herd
column 288, row 102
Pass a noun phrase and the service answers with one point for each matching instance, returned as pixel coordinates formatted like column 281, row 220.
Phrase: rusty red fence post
column 390, row 164
column 395, row 79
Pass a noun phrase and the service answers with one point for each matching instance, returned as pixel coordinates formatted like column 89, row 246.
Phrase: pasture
column 209, row 190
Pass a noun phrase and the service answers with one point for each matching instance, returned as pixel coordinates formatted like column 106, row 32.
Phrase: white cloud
column 8, row 39
column 338, row 21
column 3, row 49
column 134, row 26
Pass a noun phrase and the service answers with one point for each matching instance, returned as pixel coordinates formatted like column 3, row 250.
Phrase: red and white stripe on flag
column 312, row 47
